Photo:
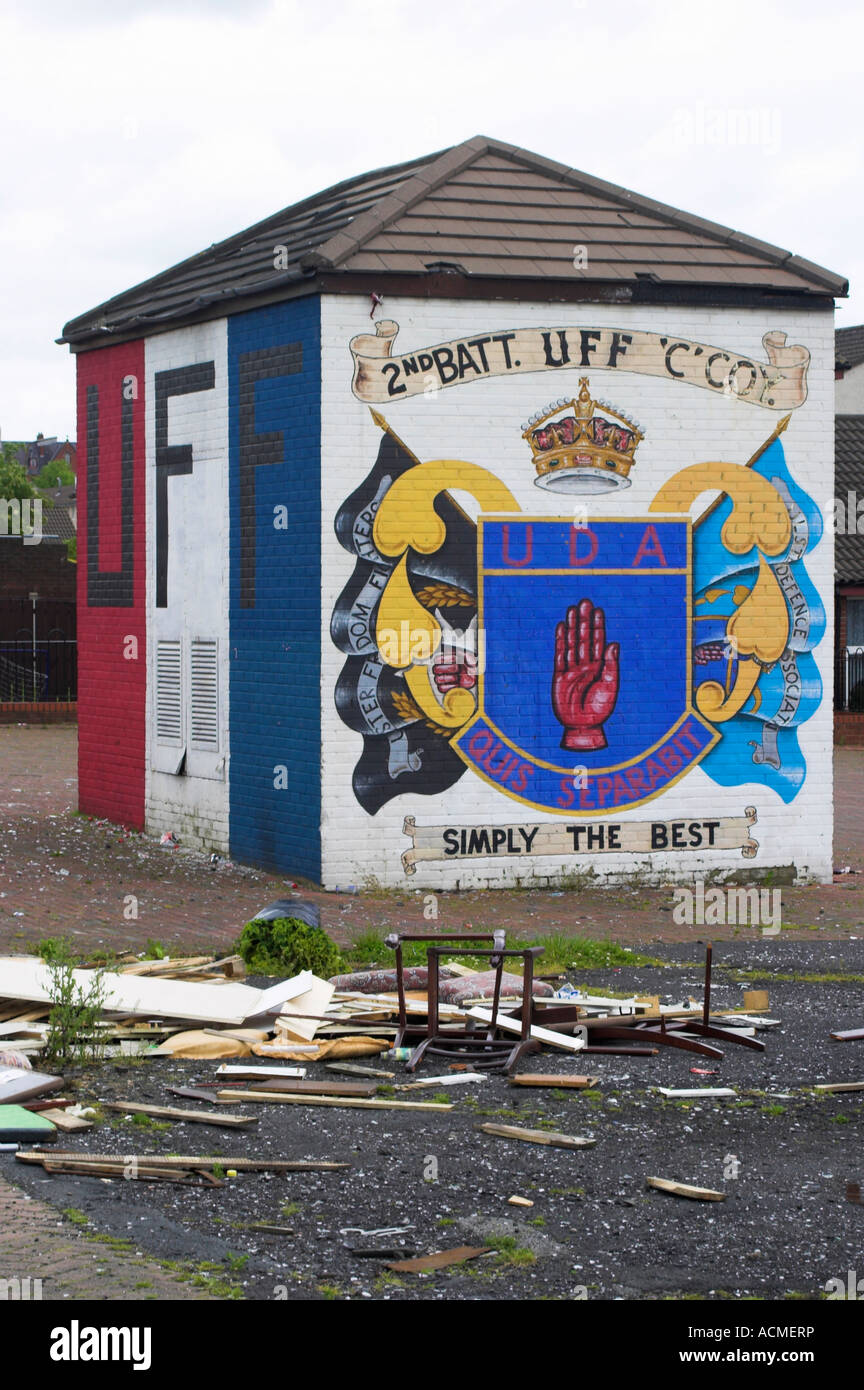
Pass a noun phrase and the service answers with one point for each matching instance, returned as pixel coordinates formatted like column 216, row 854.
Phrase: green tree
column 57, row 473
column 13, row 478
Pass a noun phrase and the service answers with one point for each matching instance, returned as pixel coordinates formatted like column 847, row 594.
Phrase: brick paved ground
column 38, row 1243
column 61, row 873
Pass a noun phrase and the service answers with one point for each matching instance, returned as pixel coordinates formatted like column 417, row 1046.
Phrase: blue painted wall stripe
column 274, row 393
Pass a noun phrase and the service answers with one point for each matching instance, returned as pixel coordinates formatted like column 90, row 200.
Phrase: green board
column 18, row 1125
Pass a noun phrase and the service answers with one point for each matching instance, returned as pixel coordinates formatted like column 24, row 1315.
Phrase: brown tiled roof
column 849, row 477
column 483, row 210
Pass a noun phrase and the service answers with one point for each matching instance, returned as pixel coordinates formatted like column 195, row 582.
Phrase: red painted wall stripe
column 111, row 604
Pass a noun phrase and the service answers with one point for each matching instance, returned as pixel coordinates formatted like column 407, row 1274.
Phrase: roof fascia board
column 219, row 248
column 300, row 289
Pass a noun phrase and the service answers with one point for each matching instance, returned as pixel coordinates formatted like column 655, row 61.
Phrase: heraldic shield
column 585, row 682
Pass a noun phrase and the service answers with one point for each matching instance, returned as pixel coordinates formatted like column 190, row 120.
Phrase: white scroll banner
column 579, row 840
column 780, row 383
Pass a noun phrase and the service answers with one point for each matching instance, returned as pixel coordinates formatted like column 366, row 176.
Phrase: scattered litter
column 194, row 1093
column 537, row 1078
column 11, row 1058
column 569, row 1042
column 28, row 978
column 64, row 1120
column 380, row 1231
column 18, row 1125
column 517, row 1201
column 169, row 840
column 482, row 986
column 197, row 1043
column 351, row 1069
column 683, row 1189
column 279, row 1097
column 458, row 1080
column 259, row 1073
column 362, row 1089
column 385, row 981
column 354, row 1046
column 755, row 1000
column 697, row 1092
column 378, row 1252
column 537, row 1136
column 301, row 908
column 439, row 1260
column 167, row 1112
column 18, row 1084
column 94, row 1163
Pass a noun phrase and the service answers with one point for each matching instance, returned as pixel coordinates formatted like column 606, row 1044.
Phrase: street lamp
column 34, row 595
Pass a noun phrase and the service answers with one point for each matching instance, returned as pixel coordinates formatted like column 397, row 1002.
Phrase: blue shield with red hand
column 584, row 699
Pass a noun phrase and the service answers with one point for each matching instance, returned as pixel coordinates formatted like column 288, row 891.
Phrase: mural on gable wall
column 580, row 664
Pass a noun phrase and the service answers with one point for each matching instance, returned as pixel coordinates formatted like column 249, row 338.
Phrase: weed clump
column 286, row 946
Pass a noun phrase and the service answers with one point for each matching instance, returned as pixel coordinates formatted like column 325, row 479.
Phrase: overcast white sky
column 136, row 132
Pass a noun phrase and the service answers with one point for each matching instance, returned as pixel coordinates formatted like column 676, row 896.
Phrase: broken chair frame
column 466, row 1042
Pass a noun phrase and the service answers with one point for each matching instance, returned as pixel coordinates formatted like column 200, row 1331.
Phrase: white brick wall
column 481, row 422
column 195, row 807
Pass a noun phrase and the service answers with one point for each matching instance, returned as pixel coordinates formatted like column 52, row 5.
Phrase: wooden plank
column 67, row 1123
column 261, row 1073
column 165, row 967
column 542, row 1035
column 841, row 1086
column 539, row 1078
column 28, row 978
column 363, row 1089
column 354, row 1069
column 249, row 1165
column 117, row 1170
column 698, row 1093
column 439, row 1260
column 13, row 1014
column 347, row 1102
column 537, row 1136
column 683, row 1189
column 849, row 1035
column 201, row 1117
column 195, row 1093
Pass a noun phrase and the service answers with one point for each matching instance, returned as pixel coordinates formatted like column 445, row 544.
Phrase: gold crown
column 583, row 451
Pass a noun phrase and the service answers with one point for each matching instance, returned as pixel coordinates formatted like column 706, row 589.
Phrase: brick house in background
column 33, row 456
column 402, row 556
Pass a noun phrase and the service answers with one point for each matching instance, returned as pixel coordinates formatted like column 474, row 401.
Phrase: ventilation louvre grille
column 204, row 695
column 169, row 691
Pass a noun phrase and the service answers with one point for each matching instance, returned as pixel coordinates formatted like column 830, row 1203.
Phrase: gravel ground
column 595, row 1231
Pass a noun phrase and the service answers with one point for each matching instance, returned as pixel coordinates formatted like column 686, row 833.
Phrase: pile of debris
column 480, row 1017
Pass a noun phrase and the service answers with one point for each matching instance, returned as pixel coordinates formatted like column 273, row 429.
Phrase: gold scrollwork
column 407, row 517
column 758, row 630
